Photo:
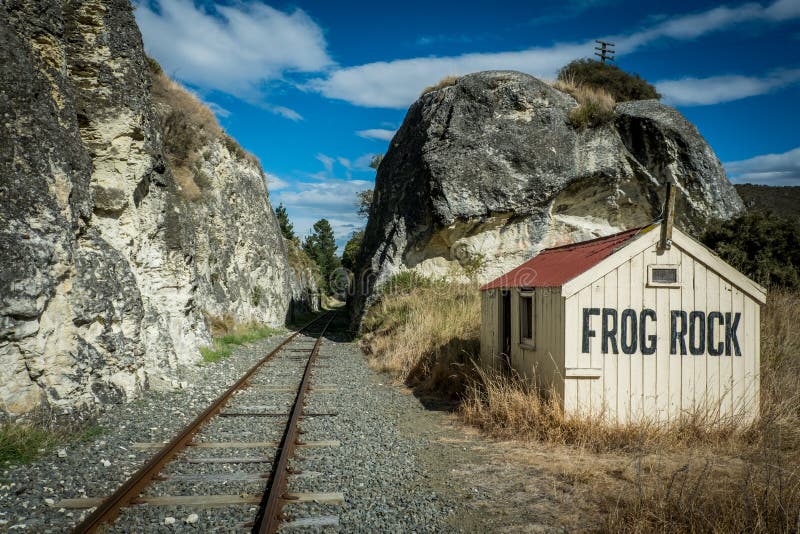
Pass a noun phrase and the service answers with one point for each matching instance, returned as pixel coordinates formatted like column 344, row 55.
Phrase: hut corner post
column 669, row 215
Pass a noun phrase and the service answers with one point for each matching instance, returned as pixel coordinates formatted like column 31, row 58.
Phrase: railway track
column 213, row 451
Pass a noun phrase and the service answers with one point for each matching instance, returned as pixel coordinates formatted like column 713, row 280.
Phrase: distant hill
column 783, row 201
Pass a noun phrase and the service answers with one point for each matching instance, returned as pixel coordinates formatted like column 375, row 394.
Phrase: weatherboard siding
column 543, row 364
column 662, row 386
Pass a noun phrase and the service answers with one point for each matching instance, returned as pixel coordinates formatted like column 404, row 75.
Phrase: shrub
column 621, row 85
column 154, row 66
column 595, row 105
column 424, row 332
column 764, row 247
column 447, row 81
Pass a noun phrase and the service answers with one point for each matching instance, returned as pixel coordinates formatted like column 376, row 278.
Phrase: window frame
column 527, row 342
column 652, row 283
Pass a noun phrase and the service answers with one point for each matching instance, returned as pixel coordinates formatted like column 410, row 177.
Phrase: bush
column 622, row 86
column 424, row 332
column 595, row 105
column 764, row 247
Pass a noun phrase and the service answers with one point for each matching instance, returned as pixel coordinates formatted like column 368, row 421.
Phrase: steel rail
column 270, row 516
column 127, row 493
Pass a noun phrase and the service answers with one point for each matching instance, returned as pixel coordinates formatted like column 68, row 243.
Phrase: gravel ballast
column 392, row 466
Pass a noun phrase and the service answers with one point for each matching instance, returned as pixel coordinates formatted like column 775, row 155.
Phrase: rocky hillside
column 488, row 170
column 128, row 219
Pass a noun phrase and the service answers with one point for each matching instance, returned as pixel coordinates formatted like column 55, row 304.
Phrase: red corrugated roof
column 553, row 267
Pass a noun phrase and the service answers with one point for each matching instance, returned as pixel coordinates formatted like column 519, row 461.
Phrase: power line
column 606, row 51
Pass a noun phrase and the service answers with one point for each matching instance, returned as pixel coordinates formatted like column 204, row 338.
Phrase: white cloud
column 768, row 169
column 333, row 199
column 362, row 163
column 274, row 183
column 218, row 110
column 235, row 49
column 285, row 112
column 716, row 89
column 396, row 84
column 327, row 162
column 380, row 134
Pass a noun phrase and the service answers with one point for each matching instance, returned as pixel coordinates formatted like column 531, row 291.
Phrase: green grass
column 223, row 346
column 21, row 443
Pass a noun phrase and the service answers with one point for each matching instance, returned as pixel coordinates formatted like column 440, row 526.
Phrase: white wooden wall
column 490, row 328
column 544, row 364
column 661, row 386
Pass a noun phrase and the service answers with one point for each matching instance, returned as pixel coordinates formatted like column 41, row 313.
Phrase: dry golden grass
column 447, row 81
column 188, row 126
column 762, row 494
column 424, row 332
column 595, row 105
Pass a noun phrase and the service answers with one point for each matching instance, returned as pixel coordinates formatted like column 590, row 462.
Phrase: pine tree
column 320, row 245
column 351, row 249
column 287, row 228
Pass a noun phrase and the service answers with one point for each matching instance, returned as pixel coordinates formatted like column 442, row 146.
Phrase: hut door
column 505, row 329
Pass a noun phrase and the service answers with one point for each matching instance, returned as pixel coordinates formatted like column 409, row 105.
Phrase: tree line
column 320, row 244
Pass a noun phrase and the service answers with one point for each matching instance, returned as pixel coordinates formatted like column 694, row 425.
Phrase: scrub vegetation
column 693, row 475
column 620, row 85
column 595, row 105
column 188, row 127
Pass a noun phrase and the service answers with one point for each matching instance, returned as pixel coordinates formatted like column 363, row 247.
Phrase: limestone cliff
column 114, row 250
column 485, row 172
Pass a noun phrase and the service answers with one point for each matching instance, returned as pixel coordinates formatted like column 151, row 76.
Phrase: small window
column 664, row 275
column 526, row 319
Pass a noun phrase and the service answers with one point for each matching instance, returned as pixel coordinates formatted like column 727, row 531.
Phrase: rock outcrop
column 112, row 258
column 304, row 280
column 485, row 172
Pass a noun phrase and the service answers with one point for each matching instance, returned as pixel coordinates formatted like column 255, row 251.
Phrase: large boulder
column 487, row 171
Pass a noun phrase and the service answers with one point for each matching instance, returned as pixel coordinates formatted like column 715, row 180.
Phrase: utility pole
column 606, row 51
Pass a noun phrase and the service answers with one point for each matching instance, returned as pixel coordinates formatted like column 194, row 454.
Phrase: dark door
column 505, row 330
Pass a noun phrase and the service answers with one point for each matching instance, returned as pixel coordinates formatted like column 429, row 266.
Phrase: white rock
column 105, row 462
column 193, row 518
column 49, row 502
column 169, row 520
column 62, row 453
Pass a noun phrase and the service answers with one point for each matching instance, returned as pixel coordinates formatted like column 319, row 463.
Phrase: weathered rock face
column 108, row 272
column 484, row 173
column 304, row 281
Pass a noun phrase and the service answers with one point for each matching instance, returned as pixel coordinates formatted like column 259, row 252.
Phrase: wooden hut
column 636, row 325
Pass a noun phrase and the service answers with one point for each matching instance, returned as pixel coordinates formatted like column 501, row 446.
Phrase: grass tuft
column 21, row 443
column 447, row 81
column 228, row 335
column 188, row 126
column 595, row 105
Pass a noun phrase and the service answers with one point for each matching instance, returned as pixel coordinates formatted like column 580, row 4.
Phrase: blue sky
column 314, row 88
